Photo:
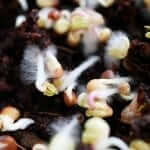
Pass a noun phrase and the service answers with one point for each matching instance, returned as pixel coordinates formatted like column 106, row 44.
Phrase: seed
column 7, row 143
column 10, row 111
column 62, row 25
column 139, row 145
column 78, row 22
column 102, row 110
column 95, row 129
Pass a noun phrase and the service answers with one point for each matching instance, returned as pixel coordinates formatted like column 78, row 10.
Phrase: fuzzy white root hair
column 24, row 4
column 29, row 64
column 72, row 76
column 41, row 76
column 65, row 139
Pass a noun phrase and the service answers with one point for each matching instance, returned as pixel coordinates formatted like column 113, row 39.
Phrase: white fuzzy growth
column 115, row 81
column 72, row 76
column 52, row 50
column 21, row 124
column 69, row 90
column 90, row 41
column 114, row 141
column 65, row 138
column 24, row 4
column 29, row 64
column 20, row 20
column 106, row 93
column 41, row 76
column 43, row 16
column 111, row 141
column 9, row 125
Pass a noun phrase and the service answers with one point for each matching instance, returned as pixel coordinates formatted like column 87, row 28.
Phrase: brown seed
column 108, row 74
column 8, row 143
column 70, row 100
column 130, row 112
column 10, row 111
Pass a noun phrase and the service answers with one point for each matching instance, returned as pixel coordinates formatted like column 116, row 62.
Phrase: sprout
column 97, row 133
column 100, row 95
column 38, row 66
column 65, row 139
column 23, row 4
column 53, row 66
column 71, row 77
column 9, row 115
column 69, row 96
column 102, row 89
column 98, row 108
column 20, row 20
column 102, row 84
